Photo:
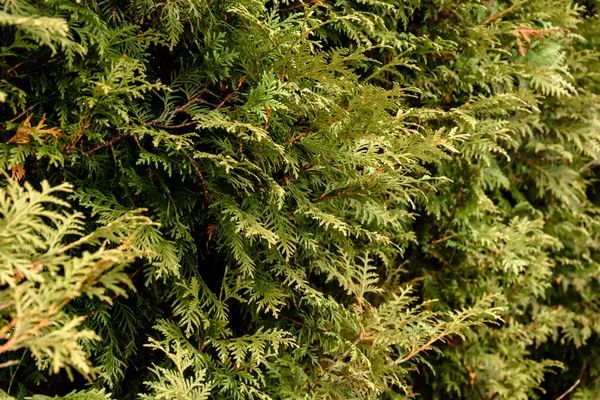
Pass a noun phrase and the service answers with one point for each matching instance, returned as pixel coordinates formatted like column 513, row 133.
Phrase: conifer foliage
column 332, row 199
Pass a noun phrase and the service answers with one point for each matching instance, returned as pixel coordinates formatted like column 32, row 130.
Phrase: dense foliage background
column 326, row 199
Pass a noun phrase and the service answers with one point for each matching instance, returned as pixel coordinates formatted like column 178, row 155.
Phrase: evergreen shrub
column 312, row 199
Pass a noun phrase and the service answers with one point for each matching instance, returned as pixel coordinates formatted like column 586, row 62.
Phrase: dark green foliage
column 353, row 199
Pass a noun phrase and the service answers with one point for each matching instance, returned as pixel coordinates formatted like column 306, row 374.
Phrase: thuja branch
column 446, row 264
column 287, row 179
column 415, row 351
column 9, row 363
column 82, row 126
column 109, row 143
column 499, row 15
column 197, row 99
column 302, row 324
column 569, row 390
column 344, row 193
column 532, row 163
column 295, row 138
column 230, row 95
column 362, row 337
column 336, row 193
column 178, row 126
column 199, row 174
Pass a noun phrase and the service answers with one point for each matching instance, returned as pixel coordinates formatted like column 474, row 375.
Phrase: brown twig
column 179, row 126
column 109, row 143
column 359, row 339
column 268, row 119
column 84, row 123
column 532, row 163
column 589, row 164
column 569, row 390
column 376, row 173
column 295, row 138
column 286, row 179
column 414, row 352
column 472, row 381
column 13, row 68
column 9, row 363
column 199, row 173
column 499, row 15
column 337, row 116
column 50, row 61
column 9, row 326
column 444, row 238
column 197, row 99
column 183, row 109
column 301, row 324
column 344, row 193
column 518, row 180
column 447, row 264
column 20, row 115
column 43, row 323
column 131, row 276
column 335, row 193
column 301, row 171
column 6, row 346
column 230, row 95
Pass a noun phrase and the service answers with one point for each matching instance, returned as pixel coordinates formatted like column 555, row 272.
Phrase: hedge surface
column 318, row 199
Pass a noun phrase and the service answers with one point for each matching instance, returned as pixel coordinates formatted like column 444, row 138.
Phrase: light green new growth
column 46, row 262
